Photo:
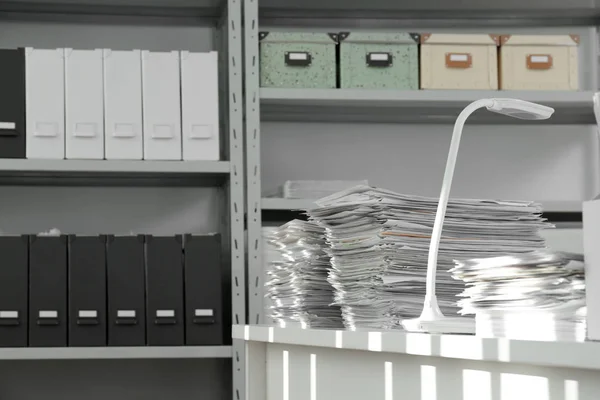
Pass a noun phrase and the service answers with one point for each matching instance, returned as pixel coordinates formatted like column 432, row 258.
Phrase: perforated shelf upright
column 120, row 197
column 399, row 139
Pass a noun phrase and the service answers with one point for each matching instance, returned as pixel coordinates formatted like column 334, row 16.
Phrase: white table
column 310, row 364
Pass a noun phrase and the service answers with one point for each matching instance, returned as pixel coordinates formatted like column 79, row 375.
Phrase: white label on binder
column 85, row 130
column 9, row 314
column 7, row 125
column 87, row 314
column 203, row 313
column 298, row 56
column 539, row 59
column 46, row 129
column 126, row 314
column 124, row 131
column 459, row 57
column 165, row 313
column 201, row 132
column 48, row 314
column 162, row 132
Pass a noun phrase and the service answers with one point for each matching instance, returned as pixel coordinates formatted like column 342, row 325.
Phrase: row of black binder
column 111, row 291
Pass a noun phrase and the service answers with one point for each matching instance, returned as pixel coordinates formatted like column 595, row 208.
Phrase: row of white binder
column 121, row 105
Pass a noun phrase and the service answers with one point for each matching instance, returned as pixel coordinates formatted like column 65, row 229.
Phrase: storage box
column 12, row 103
column 123, row 105
column 379, row 60
column 84, row 104
column 298, row 60
column 14, row 279
column 200, row 105
column 48, row 291
column 453, row 61
column 45, row 103
column 126, row 291
column 591, row 252
column 204, row 322
column 164, row 291
column 87, row 290
column 529, row 62
column 161, row 105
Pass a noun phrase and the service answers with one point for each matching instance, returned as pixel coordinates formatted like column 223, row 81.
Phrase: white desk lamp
column 432, row 320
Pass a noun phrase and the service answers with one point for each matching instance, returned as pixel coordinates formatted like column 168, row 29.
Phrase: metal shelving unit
column 424, row 106
column 399, row 139
column 90, row 197
column 114, row 353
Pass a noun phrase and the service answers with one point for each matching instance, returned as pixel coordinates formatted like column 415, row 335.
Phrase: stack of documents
column 379, row 241
column 316, row 189
column 535, row 296
column 297, row 284
column 270, row 254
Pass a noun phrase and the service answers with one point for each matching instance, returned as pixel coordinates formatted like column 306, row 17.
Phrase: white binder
column 200, row 105
column 123, row 105
column 45, row 103
column 161, row 105
column 84, row 104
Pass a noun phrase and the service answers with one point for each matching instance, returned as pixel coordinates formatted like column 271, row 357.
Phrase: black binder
column 87, row 290
column 12, row 103
column 126, row 291
column 14, row 282
column 48, row 291
column 203, row 294
column 164, row 291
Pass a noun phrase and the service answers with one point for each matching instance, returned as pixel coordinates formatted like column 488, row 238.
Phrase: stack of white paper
column 270, row 255
column 379, row 241
column 297, row 283
column 535, row 296
column 316, row 189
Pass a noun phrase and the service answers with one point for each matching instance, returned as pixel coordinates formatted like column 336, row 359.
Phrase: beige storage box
column 529, row 62
column 453, row 61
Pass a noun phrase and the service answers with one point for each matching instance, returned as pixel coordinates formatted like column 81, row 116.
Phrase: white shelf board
column 86, row 353
column 160, row 11
column 271, row 203
column 566, row 206
column 584, row 355
column 436, row 12
column 280, row 204
column 420, row 106
column 89, row 172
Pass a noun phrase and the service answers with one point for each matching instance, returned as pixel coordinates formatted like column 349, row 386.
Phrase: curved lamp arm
column 445, row 193
column 431, row 318
column 443, row 202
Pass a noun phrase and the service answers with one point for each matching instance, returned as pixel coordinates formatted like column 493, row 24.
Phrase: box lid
column 456, row 38
column 379, row 37
column 298, row 37
column 539, row 40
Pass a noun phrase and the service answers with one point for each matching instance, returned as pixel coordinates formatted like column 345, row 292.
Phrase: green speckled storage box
column 379, row 60
column 298, row 60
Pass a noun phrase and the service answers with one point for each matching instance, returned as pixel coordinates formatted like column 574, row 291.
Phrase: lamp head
column 520, row 109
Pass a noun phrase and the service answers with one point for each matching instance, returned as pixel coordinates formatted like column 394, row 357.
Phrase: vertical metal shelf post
column 233, row 28
column 253, row 179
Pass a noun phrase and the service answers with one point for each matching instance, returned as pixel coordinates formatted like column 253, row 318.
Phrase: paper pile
column 378, row 242
column 297, row 283
column 535, row 296
column 270, row 255
column 316, row 189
